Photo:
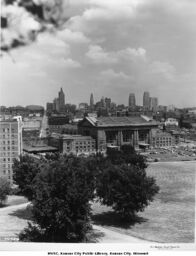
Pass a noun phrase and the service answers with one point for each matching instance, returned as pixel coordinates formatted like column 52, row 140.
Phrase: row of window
column 162, row 139
column 7, row 172
column 84, row 142
column 4, row 142
column 8, row 130
column 84, row 150
column 84, row 147
column 7, row 136
column 161, row 144
column 8, row 148
column 4, row 154
column 8, row 159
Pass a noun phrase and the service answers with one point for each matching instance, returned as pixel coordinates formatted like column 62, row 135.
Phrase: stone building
column 117, row 131
column 162, row 139
column 75, row 144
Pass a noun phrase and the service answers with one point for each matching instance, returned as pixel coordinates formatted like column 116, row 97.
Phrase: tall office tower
column 61, row 99
column 146, row 100
column 103, row 105
column 49, row 107
column 10, row 145
column 108, row 103
column 153, row 104
column 132, row 102
column 56, row 104
column 91, row 102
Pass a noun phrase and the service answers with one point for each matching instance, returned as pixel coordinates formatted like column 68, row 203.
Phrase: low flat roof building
column 75, row 144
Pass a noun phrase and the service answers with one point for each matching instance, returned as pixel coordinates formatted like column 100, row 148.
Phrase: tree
column 4, row 189
column 24, row 171
column 61, row 204
column 126, row 188
column 126, row 155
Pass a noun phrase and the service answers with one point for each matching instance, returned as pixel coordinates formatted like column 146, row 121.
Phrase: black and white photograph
column 97, row 125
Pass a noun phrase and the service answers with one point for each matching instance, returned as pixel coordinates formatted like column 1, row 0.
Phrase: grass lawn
column 170, row 217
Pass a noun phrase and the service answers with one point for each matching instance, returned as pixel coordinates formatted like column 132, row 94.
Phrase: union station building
column 118, row 131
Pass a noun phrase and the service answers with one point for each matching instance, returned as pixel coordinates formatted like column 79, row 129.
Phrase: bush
column 4, row 190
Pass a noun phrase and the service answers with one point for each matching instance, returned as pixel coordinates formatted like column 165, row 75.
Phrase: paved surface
column 110, row 236
column 11, row 225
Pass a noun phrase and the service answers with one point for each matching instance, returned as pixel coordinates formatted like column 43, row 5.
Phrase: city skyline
column 154, row 52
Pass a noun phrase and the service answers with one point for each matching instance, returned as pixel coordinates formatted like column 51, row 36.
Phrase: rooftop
column 39, row 149
column 70, row 137
column 120, row 121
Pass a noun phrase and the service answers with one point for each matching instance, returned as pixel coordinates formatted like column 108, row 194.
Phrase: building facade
column 10, row 145
column 91, row 102
column 153, row 104
column 132, row 102
column 61, row 101
column 56, row 123
column 146, row 100
column 162, row 139
column 73, row 144
column 117, row 131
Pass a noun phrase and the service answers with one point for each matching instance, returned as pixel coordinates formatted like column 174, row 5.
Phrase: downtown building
column 132, row 101
column 58, row 104
column 10, row 145
column 146, row 101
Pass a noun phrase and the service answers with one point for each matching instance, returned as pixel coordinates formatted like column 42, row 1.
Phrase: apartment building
column 10, row 145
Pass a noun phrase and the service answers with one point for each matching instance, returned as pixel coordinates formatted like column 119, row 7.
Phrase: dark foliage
column 61, row 205
column 4, row 190
column 126, row 188
column 126, row 155
column 24, row 171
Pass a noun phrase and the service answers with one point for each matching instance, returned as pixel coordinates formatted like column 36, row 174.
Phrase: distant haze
column 110, row 48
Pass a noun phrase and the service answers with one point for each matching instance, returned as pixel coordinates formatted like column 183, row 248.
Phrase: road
column 11, row 225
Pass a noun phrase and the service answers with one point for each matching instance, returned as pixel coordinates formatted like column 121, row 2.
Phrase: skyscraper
column 91, row 102
column 132, row 102
column 108, row 103
column 61, row 99
column 103, row 105
column 153, row 104
column 146, row 100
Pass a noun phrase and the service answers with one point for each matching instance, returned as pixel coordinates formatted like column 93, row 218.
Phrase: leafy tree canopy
column 61, row 203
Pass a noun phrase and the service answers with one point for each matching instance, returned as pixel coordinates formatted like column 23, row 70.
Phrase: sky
column 109, row 48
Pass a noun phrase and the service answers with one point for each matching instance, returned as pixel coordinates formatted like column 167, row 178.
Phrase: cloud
column 132, row 54
column 70, row 36
column 162, row 68
column 69, row 63
column 110, row 74
column 98, row 55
